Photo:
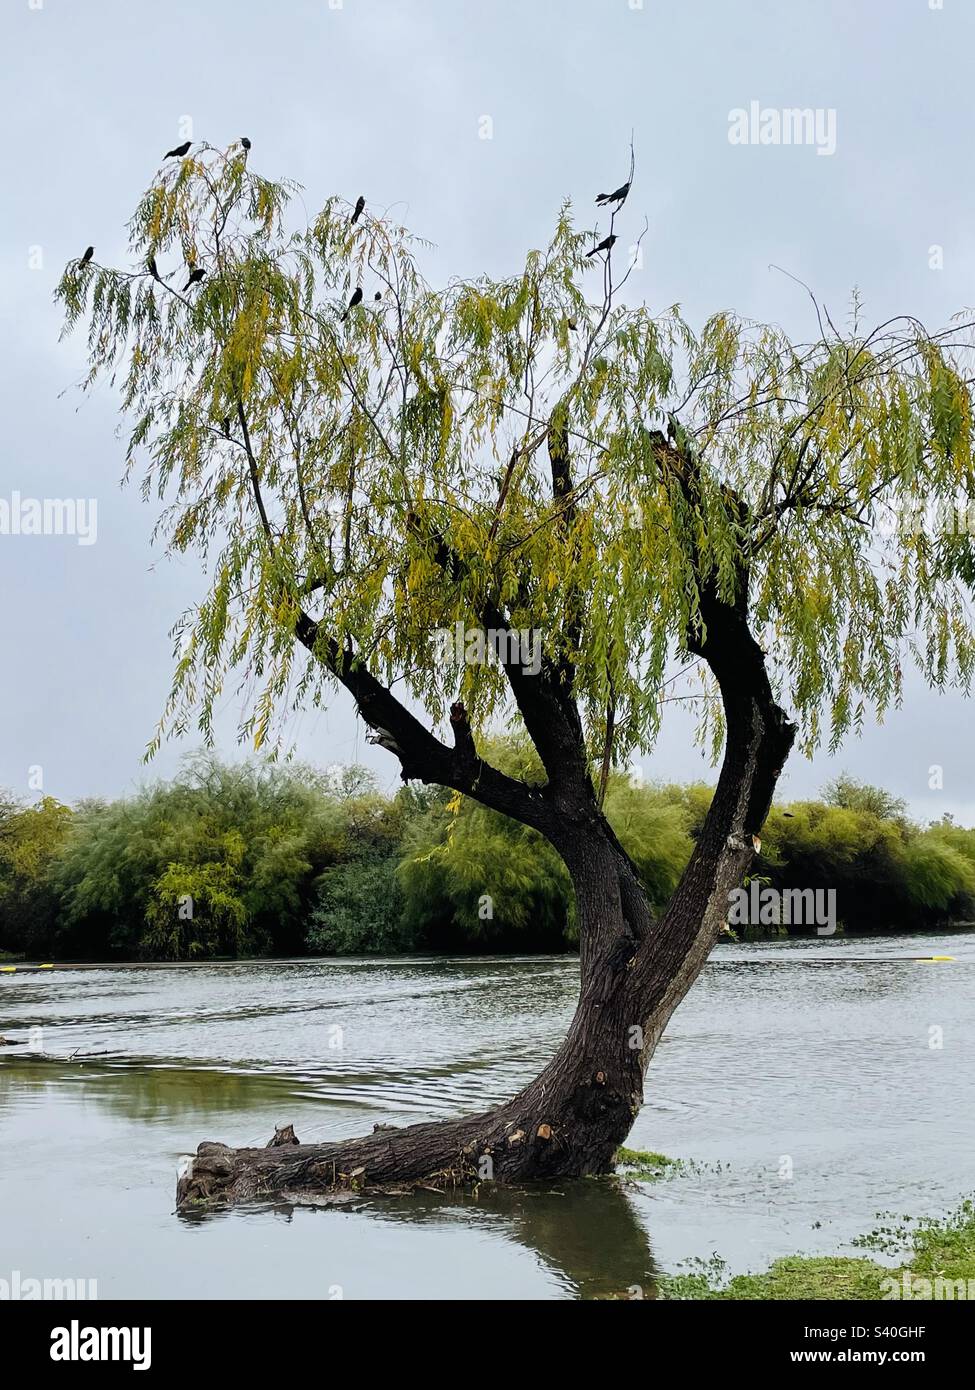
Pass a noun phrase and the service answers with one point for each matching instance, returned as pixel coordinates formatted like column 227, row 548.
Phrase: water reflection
column 587, row 1236
column 146, row 1090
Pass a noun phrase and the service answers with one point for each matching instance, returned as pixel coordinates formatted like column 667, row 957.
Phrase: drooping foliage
column 474, row 877
column 885, row 871
column 328, row 460
column 30, row 839
column 220, row 862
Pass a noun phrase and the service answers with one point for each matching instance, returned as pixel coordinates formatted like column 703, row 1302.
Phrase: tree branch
column 422, row 756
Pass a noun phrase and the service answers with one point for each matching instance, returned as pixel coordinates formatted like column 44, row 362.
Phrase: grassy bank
column 937, row 1261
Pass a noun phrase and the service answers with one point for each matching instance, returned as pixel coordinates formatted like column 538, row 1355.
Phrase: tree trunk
column 571, row 1119
column 568, row 1122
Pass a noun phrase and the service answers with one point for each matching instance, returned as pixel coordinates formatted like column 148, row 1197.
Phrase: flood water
column 804, row 1080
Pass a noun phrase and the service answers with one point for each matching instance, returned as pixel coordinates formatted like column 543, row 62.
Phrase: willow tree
column 527, row 455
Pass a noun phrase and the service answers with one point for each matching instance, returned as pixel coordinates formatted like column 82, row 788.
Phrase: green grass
column 935, row 1249
column 643, row 1163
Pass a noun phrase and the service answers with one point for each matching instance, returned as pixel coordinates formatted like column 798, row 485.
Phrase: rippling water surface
column 803, row 1080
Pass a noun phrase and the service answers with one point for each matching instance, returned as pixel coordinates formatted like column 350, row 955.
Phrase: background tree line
column 269, row 858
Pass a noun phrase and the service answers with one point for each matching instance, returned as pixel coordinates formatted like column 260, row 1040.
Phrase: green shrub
column 359, row 911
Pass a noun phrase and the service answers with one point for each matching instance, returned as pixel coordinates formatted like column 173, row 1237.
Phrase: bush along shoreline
column 263, row 858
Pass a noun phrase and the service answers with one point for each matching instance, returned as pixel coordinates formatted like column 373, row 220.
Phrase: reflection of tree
column 587, row 1232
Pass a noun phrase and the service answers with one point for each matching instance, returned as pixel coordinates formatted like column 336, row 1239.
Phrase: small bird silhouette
column 360, row 203
column 225, row 426
column 245, row 142
column 606, row 244
column 571, row 324
column 87, row 256
column 378, row 294
column 153, row 268
column 617, row 197
column 179, row 151
column 196, row 274
column 356, row 299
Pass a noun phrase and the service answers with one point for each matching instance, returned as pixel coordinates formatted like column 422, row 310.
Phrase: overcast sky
column 387, row 97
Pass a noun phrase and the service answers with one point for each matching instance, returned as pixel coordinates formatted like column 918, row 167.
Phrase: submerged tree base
column 507, row 1145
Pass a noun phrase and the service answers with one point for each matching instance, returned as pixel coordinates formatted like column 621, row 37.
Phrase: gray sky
column 385, row 97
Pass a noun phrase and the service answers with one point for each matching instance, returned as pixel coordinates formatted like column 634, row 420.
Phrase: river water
column 809, row 1085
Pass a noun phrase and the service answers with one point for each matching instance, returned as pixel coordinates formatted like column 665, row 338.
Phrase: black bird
column 360, row 203
column 245, row 142
column 356, row 299
column 617, row 197
column 196, row 275
column 378, row 294
column 606, row 244
column 225, row 425
column 87, row 256
column 179, row 151
column 153, row 268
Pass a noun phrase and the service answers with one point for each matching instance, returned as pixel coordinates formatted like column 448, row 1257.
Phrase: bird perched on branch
column 87, row 256
column 360, row 204
column 153, row 268
column 179, row 151
column 356, row 299
column 606, row 244
column 196, row 275
column 245, row 142
column 619, row 196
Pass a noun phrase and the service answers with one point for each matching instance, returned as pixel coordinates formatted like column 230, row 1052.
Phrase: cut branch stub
column 283, row 1134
